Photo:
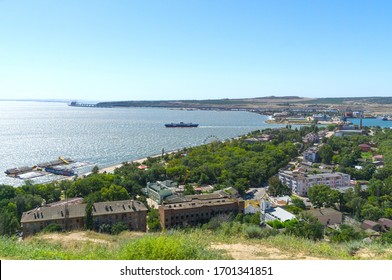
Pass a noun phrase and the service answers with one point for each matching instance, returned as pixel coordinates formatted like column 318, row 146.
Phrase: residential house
column 269, row 213
column 327, row 216
column 364, row 147
column 367, row 224
column 386, row 224
column 348, row 132
column 251, row 206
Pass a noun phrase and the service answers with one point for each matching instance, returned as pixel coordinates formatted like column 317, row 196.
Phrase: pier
column 92, row 105
column 78, row 104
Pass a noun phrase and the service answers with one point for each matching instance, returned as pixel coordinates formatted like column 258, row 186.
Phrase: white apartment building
column 300, row 182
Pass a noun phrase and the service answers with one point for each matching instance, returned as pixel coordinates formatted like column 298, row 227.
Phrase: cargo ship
column 182, row 124
column 60, row 171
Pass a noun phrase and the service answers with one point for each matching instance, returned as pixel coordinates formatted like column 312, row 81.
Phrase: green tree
column 322, row 195
column 276, row 188
column 344, row 233
column 113, row 193
column 371, row 212
column 7, row 192
column 386, row 238
column 356, row 205
column 297, row 202
column 95, row 169
column 118, row 228
column 189, row 189
column 153, row 220
column 307, row 226
column 9, row 222
column 89, row 221
column 52, row 228
column 325, row 153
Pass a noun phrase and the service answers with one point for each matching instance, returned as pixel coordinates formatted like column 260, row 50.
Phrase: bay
column 371, row 122
column 35, row 132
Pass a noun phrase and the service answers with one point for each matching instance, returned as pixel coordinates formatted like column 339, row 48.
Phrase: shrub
column 118, row 228
column 52, row 228
column 344, row 233
column 105, row 228
column 253, row 231
column 167, row 247
column 386, row 238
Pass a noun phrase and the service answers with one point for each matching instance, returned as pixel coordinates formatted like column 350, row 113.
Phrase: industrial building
column 181, row 211
column 72, row 217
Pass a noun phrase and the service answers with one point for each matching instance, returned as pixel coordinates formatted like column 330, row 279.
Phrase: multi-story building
column 311, row 138
column 195, row 209
column 311, row 154
column 72, row 217
column 300, row 182
column 160, row 190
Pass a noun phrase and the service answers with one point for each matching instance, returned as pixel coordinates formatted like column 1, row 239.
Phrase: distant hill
column 214, row 103
column 351, row 100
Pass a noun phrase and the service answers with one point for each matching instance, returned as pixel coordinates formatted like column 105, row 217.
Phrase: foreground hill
column 187, row 245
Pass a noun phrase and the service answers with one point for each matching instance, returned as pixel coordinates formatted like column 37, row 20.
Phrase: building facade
column 300, row 182
column 160, row 190
column 72, row 217
column 311, row 154
column 195, row 209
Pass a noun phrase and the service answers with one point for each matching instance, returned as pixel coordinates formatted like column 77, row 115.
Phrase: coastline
column 110, row 169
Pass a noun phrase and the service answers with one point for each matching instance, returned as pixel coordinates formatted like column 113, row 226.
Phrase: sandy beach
column 110, row 169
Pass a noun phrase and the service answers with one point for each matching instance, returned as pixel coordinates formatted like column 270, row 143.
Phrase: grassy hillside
column 197, row 244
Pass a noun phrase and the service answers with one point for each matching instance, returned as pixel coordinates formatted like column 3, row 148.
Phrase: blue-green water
column 372, row 122
column 35, row 132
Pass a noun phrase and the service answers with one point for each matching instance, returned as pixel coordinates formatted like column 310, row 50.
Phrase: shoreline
column 110, row 169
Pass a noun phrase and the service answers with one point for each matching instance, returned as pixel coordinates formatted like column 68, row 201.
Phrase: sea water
column 35, row 132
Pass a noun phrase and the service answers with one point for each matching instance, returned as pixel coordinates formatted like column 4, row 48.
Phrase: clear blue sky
column 194, row 49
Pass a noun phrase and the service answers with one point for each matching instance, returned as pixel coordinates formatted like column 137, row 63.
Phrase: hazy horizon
column 113, row 100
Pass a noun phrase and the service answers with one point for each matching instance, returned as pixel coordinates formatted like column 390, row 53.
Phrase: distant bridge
column 79, row 104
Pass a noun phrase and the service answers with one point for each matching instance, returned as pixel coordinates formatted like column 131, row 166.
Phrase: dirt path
column 73, row 236
column 258, row 252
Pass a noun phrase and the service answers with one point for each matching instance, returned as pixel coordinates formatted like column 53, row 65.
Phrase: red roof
column 364, row 146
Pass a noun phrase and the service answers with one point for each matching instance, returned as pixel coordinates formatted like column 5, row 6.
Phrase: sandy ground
column 73, row 236
column 258, row 252
column 237, row 251
column 110, row 169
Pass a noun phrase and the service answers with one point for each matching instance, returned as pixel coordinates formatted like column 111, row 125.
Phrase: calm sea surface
column 372, row 122
column 35, row 132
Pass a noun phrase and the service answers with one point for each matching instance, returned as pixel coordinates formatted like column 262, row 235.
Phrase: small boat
column 182, row 124
column 384, row 118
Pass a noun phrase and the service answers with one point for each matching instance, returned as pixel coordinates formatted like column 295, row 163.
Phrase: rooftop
column 78, row 210
column 193, row 201
column 280, row 214
column 322, row 212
